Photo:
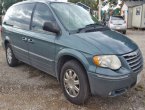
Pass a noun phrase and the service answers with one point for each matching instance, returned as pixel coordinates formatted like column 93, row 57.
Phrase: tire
column 124, row 32
column 10, row 57
column 74, row 68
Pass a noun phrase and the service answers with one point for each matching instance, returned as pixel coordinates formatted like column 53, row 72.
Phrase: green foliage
column 91, row 3
column 113, row 1
column 5, row 4
column 0, row 10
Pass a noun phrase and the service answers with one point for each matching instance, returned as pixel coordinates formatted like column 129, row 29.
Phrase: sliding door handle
column 24, row 39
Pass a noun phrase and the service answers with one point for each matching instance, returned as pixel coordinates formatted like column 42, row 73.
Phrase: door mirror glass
column 51, row 27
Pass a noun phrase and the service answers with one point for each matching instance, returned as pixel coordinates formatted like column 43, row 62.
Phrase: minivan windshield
column 73, row 17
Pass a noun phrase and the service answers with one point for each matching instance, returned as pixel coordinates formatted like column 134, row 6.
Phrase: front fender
column 74, row 53
column 5, row 35
column 6, row 39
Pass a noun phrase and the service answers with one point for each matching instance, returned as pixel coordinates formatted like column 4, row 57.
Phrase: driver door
column 41, row 43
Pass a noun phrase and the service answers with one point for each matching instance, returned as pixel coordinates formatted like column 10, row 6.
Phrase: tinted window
column 19, row 16
column 117, row 18
column 41, row 15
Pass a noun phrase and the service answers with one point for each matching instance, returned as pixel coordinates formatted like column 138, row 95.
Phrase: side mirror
column 51, row 27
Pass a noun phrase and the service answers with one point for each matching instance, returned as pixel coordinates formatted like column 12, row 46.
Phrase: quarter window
column 41, row 15
column 19, row 16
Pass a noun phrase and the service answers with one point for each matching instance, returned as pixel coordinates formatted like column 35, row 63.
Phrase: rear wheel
column 74, row 82
column 11, row 59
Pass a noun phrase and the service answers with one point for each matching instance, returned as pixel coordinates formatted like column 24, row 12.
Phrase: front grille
column 134, row 60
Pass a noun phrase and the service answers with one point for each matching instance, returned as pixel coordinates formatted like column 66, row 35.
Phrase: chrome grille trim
column 134, row 60
column 136, row 63
column 137, row 67
column 139, row 58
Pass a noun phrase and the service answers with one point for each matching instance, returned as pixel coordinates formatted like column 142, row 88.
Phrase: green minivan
column 63, row 40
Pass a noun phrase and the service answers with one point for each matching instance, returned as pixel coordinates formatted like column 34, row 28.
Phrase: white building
column 127, row 11
column 138, row 16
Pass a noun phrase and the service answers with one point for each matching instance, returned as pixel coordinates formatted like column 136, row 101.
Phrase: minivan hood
column 109, row 42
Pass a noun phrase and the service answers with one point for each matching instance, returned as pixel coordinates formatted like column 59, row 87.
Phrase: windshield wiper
column 91, row 27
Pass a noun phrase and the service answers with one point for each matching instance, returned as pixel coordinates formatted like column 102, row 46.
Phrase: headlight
column 108, row 61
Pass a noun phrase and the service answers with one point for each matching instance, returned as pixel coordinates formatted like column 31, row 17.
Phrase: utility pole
column 100, row 7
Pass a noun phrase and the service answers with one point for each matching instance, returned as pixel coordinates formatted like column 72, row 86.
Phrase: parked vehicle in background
column 117, row 23
column 86, row 57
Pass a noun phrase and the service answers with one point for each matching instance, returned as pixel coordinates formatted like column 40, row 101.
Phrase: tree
column 5, row 4
column 0, row 7
column 91, row 3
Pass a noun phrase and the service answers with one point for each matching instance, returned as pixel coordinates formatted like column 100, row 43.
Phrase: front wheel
column 11, row 59
column 74, row 82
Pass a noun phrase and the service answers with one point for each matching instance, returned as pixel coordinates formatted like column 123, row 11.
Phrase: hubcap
column 71, row 83
column 9, row 55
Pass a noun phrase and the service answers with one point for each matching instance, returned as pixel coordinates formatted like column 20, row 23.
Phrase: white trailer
column 138, row 16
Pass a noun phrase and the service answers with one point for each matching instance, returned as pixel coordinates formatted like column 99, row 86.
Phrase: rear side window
column 19, row 16
column 41, row 15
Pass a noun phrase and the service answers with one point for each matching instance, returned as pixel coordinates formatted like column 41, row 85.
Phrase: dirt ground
column 26, row 88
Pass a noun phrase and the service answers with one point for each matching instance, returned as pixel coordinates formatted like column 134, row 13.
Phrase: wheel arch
column 6, row 41
column 67, row 55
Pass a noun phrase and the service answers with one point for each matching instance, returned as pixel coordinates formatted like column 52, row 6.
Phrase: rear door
column 17, row 26
column 41, row 43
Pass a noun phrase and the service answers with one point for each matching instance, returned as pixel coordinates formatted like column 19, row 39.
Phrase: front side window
column 41, row 15
column 19, row 16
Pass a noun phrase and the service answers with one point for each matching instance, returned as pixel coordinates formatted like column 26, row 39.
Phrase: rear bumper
column 118, row 27
column 111, row 88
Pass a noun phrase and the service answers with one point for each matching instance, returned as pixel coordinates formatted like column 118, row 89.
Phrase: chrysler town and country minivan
column 63, row 40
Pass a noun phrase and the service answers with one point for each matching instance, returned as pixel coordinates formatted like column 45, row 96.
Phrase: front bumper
column 107, row 82
column 111, row 87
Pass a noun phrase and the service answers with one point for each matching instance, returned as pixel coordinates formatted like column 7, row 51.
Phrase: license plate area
column 118, row 27
column 139, row 76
